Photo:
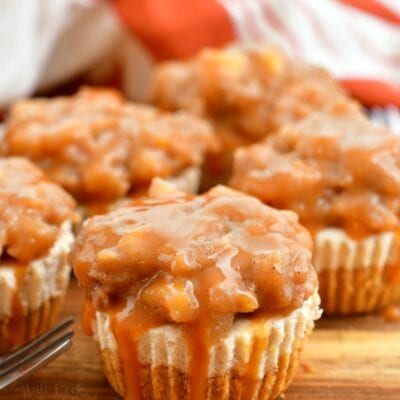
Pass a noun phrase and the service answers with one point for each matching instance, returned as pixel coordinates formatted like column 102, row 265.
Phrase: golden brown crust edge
column 354, row 291
column 167, row 382
column 32, row 324
column 356, row 276
column 163, row 382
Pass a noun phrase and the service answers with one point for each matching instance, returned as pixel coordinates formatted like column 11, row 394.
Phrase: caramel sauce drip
column 126, row 333
column 128, row 330
column 16, row 322
column 198, row 341
column 129, row 357
column 17, row 316
column 198, row 337
column 251, row 378
column 88, row 317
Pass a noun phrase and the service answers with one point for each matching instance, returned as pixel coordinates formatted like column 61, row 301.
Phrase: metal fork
column 35, row 354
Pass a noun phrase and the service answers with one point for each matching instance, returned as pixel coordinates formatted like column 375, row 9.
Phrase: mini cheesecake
column 247, row 92
column 36, row 219
column 101, row 148
column 197, row 297
column 341, row 175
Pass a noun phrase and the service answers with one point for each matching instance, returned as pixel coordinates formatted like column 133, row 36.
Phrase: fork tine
column 34, row 344
column 36, row 353
column 35, row 361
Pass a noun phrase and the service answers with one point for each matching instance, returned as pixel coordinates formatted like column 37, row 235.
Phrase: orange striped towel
column 357, row 40
column 44, row 44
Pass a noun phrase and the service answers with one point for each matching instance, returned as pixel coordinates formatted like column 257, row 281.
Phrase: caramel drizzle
column 128, row 332
column 197, row 334
column 16, row 324
column 128, row 353
column 197, row 337
column 250, row 378
column 88, row 317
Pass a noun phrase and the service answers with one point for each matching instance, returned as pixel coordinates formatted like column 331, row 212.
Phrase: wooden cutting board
column 345, row 359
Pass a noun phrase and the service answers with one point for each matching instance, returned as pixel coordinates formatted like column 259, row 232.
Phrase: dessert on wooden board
column 203, row 296
column 197, row 297
column 36, row 218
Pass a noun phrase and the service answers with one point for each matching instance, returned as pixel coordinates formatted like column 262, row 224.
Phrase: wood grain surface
column 345, row 359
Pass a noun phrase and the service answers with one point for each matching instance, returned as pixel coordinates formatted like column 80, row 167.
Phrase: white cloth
column 46, row 42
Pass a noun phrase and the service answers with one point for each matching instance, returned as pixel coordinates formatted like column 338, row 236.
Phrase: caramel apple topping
column 99, row 147
column 31, row 210
column 334, row 169
column 250, row 91
column 179, row 255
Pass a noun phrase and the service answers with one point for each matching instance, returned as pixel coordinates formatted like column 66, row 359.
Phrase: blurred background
column 52, row 47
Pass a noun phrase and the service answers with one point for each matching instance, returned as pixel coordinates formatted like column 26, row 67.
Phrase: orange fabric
column 375, row 8
column 373, row 93
column 176, row 28
column 179, row 28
